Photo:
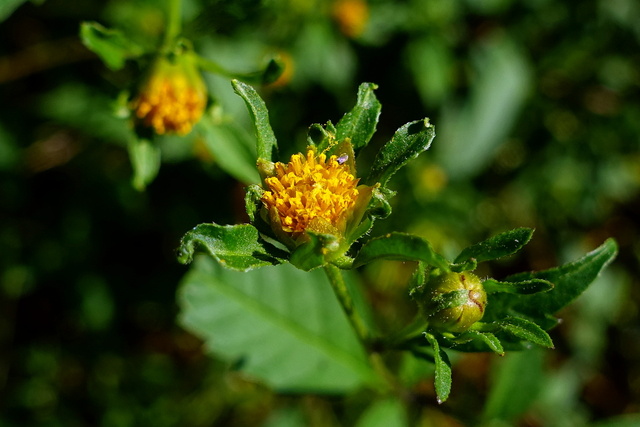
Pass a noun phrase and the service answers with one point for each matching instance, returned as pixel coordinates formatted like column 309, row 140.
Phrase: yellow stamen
column 308, row 188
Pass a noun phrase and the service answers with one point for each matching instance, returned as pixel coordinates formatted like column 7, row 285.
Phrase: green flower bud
column 452, row 302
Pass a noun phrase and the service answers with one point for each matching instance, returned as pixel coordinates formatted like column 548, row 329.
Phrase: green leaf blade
column 526, row 330
column 360, row 123
column 237, row 247
column 401, row 247
column 407, row 143
column 266, row 139
column 498, row 246
column 524, row 287
column 284, row 326
column 145, row 161
column 442, row 379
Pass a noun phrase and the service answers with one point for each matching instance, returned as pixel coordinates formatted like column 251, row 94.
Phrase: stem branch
column 340, row 289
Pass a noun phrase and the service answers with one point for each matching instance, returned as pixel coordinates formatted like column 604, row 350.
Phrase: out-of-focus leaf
column 431, row 65
column 407, row 143
column 360, row 123
column 113, row 47
column 237, row 247
column 630, row 420
column 442, row 379
column 498, row 246
column 570, row 280
column 230, row 148
column 281, row 325
column 492, row 342
column 145, row 160
column 474, row 132
column 383, row 413
column 526, row 330
column 266, row 140
column 517, row 381
column 525, row 287
column 401, row 247
column 7, row 7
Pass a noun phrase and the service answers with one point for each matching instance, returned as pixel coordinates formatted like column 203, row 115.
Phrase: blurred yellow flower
column 351, row 16
column 173, row 98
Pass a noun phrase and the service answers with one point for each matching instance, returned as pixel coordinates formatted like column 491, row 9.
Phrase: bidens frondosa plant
column 309, row 211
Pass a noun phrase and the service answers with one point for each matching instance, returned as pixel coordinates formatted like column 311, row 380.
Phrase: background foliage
column 536, row 107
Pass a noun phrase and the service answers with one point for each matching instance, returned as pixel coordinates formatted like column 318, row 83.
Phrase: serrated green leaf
column 401, row 247
column 498, row 246
column 526, row 330
column 313, row 254
column 266, row 140
column 442, row 379
column 525, row 287
column 230, row 148
column 145, row 160
column 570, row 281
column 112, row 46
column 407, row 143
column 237, row 247
column 360, row 123
column 282, row 326
column 384, row 413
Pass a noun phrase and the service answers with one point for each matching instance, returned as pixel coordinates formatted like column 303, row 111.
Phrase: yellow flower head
column 311, row 193
column 173, row 98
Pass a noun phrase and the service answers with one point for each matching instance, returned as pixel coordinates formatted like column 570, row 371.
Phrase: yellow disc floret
column 311, row 190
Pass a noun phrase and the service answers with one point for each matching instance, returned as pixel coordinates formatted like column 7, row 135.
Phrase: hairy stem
column 174, row 22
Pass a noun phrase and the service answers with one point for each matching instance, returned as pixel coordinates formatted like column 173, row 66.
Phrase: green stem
column 174, row 23
column 340, row 289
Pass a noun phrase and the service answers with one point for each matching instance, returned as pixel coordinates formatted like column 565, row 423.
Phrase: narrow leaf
column 145, row 160
column 279, row 325
column 570, row 280
column 266, row 140
column 359, row 124
column 498, row 246
column 487, row 338
column 526, row 330
column 7, row 7
column 401, row 247
column 238, row 247
column 113, row 47
column 523, row 287
column 442, row 380
column 407, row 143
column 384, row 413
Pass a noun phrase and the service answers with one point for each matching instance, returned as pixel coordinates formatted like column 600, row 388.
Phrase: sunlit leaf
column 266, row 140
column 407, row 143
column 237, row 247
column 359, row 124
column 280, row 325
column 498, row 246
column 384, row 413
column 401, row 247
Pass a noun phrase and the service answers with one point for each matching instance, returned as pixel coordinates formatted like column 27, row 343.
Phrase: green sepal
column 442, row 380
column 449, row 300
column 495, row 247
column 407, row 143
column 468, row 265
column 526, row 330
column 238, row 247
column 315, row 253
column 524, row 287
column 113, row 47
column 400, row 247
column 266, row 139
column 360, row 123
column 145, row 159
column 321, row 136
